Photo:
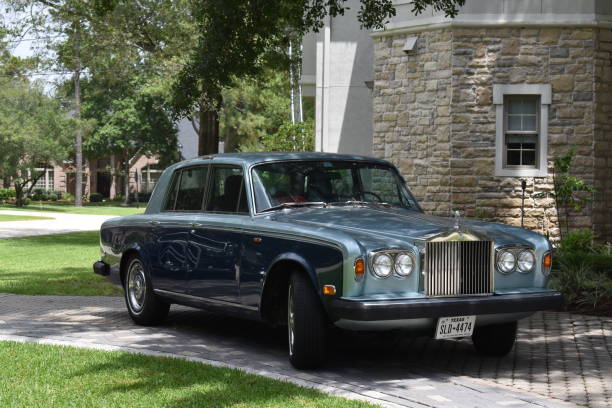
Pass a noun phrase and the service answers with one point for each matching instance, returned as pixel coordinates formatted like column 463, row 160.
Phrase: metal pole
column 291, row 83
column 523, row 186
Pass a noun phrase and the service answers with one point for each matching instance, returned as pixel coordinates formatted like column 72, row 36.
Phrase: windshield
column 329, row 182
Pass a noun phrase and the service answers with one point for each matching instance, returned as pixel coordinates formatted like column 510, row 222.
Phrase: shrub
column 52, row 197
column 68, row 197
column 6, row 193
column 95, row 197
column 577, row 241
column 580, row 284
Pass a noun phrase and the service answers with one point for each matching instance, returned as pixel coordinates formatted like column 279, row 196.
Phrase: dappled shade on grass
column 56, row 376
column 53, row 265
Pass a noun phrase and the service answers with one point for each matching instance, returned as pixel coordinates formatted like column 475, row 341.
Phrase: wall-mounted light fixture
column 410, row 44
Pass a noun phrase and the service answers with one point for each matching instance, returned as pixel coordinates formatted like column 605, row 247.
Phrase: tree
column 240, row 38
column 34, row 132
column 133, row 125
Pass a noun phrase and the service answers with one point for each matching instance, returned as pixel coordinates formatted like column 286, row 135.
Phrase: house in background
column 144, row 171
column 468, row 108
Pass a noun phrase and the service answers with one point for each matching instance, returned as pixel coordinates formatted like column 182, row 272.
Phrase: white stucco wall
column 343, row 68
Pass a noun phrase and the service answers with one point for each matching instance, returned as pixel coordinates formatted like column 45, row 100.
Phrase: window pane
column 529, row 123
column 191, row 191
column 228, row 191
column 529, row 158
column 173, row 190
column 514, row 123
column 529, row 105
column 514, row 158
column 514, row 106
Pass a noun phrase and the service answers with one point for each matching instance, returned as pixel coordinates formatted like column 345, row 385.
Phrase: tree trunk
column 78, row 189
column 18, row 195
column 127, row 181
column 113, row 187
column 208, row 138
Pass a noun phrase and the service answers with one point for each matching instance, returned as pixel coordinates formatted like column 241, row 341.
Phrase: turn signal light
column 329, row 290
column 359, row 269
column 547, row 263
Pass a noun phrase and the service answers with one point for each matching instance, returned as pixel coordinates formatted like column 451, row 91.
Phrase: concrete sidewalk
column 60, row 224
column 560, row 359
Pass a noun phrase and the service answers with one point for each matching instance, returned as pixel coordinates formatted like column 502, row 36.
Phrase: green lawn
column 94, row 209
column 53, row 265
column 5, row 217
column 54, row 376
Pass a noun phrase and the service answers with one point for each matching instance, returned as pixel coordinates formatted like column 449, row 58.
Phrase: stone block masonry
column 435, row 119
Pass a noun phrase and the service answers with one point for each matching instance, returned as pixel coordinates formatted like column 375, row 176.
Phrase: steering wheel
column 363, row 193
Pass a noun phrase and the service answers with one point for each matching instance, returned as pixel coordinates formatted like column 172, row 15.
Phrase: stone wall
column 434, row 117
column 602, row 208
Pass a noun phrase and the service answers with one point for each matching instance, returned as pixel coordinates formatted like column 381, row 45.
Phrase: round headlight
column 382, row 264
column 526, row 261
column 506, row 261
column 404, row 264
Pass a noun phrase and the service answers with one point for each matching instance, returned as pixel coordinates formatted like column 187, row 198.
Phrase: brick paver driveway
column 559, row 357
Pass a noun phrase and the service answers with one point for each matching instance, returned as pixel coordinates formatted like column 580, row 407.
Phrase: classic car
column 313, row 241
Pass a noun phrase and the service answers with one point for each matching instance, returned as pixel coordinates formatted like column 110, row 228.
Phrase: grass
column 53, row 265
column 5, row 217
column 111, row 208
column 56, row 376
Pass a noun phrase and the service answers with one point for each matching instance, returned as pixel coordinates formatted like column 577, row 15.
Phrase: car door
column 170, row 229
column 215, row 242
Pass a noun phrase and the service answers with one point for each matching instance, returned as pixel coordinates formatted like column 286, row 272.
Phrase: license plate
column 456, row 326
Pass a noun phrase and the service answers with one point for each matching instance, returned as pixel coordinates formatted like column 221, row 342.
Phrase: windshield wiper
column 356, row 202
column 294, row 205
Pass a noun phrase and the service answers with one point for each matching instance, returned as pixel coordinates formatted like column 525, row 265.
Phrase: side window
column 171, row 197
column 227, row 192
column 191, row 189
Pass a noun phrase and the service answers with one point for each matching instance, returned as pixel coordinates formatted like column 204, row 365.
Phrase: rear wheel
column 306, row 324
column 495, row 340
column 145, row 308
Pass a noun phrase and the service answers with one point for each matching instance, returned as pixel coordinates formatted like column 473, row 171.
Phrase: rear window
column 187, row 191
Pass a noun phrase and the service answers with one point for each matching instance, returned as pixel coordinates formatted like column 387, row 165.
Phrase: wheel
column 306, row 324
column 495, row 340
column 144, row 307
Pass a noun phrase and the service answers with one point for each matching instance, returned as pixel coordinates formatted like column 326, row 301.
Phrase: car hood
column 378, row 226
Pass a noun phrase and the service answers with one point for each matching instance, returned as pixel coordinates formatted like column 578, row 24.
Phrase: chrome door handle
column 154, row 223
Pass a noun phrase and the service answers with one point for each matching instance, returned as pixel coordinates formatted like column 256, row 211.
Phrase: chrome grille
column 455, row 268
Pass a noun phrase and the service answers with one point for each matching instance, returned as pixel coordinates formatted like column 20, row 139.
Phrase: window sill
column 521, row 172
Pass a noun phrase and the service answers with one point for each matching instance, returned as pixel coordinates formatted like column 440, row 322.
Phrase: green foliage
column 34, row 132
column 577, row 241
column 95, row 197
column 241, row 38
column 581, row 285
column 254, row 109
column 571, row 193
column 7, row 193
column 291, row 137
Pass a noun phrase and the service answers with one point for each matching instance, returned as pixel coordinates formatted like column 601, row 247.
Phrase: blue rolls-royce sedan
column 312, row 241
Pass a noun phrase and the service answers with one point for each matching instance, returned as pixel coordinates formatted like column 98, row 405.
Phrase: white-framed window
column 46, row 181
column 149, row 176
column 521, row 122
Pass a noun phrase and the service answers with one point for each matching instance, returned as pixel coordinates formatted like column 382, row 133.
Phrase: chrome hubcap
column 136, row 286
column 290, row 321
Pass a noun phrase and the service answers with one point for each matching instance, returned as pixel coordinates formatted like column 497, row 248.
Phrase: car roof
column 262, row 157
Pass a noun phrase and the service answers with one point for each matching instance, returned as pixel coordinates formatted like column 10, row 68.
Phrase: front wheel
column 306, row 324
column 144, row 307
column 495, row 340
